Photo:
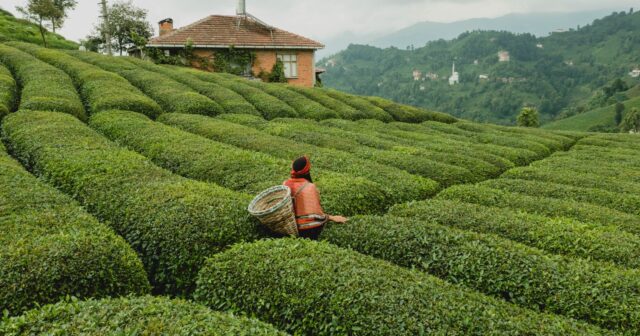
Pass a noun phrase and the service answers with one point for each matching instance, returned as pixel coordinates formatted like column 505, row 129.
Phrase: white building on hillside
column 455, row 76
column 504, row 56
column 635, row 73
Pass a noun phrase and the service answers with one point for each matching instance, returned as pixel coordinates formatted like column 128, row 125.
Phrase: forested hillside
column 554, row 73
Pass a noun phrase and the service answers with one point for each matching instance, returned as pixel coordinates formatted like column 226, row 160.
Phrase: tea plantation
column 124, row 187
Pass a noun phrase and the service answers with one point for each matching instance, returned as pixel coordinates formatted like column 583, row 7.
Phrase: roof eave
column 225, row 46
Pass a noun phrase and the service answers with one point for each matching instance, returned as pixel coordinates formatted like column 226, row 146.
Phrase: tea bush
column 343, row 110
column 100, row 90
column 310, row 288
column 590, row 291
column 361, row 104
column 562, row 236
column 172, row 222
column 132, row 316
column 231, row 167
column 8, row 91
column 43, row 87
column 410, row 114
column 50, row 247
column 171, row 95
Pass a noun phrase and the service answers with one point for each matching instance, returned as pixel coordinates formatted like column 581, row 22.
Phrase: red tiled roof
column 239, row 31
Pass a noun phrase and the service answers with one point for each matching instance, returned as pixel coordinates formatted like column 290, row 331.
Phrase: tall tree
column 63, row 6
column 619, row 110
column 125, row 25
column 528, row 117
column 40, row 11
column 631, row 121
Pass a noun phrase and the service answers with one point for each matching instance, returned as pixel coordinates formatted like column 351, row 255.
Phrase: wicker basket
column 274, row 209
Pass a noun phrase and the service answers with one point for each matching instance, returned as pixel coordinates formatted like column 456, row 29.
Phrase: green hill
column 15, row 29
column 552, row 73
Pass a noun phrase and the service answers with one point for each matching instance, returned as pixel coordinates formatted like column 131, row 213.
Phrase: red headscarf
column 298, row 173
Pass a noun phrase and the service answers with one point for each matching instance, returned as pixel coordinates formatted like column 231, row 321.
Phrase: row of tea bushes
column 269, row 106
column 43, row 86
column 551, row 142
column 51, row 248
column 400, row 185
column 8, row 91
column 304, row 131
column 361, row 104
column 170, row 94
column 562, row 236
column 231, row 167
column 599, row 293
column 545, row 206
column 172, row 222
column 228, row 99
column 310, row 288
column 100, row 90
column 343, row 110
column 410, row 114
column 132, row 316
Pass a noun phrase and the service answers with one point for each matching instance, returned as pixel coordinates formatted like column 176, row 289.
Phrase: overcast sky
column 324, row 19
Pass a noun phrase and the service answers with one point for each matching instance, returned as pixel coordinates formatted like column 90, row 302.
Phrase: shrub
column 544, row 206
column 269, row 106
column 305, row 107
column 343, row 110
column 172, row 222
column 8, row 91
column 100, row 90
column 43, row 86
column 556, row 235
column 51, row 248
column 410, row 114
column 361, row 104
column 553, row 139
column 400, row 185
column 171, row 95
column 131, row 316
column 486, row 133
column 310, row 288
column 229, row 100
column 252, row 172
column 598, row 293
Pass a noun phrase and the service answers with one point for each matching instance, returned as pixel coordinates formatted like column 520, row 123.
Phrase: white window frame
column 290, row 62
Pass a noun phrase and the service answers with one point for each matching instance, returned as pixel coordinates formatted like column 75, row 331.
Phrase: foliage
column 619, row 112
column 131, row 316
column 39, row 11
column 14, row 29
column 528, row 117
column 370, row 110
column 233, row 61
column 247, row 171
column 63, row 7
column 333, row 291
column 410, row 114
column 50, row 247
column 400, row 186
column 631, row 121
column 562, row 236
column 43, row 87
column 277, row 73
column 172, row 222
column 8, row 91
column 126, row 24
column 100, row 90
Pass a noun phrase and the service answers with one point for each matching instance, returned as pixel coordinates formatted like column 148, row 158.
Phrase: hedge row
column 361, row 104
column 410, row 114
column 8, row 91
column 400, row 185
column 423, row 165
column 100, row 90
column 628, row 203
column 50, row 247
column 556, row 235
column 170, row 94
column 305, row 107
column 231, row 167
column 552, row 139
column 131, row 316
column 269, row 106
column 172, row 222
column 600, row 142
column 43, row 86
column 311, row 288
column 228, row 99
column 544, row 206
column 343, row 110
column 598, row 293
column 543, row 143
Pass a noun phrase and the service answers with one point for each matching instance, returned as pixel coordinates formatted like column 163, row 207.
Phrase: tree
column 63, row 7
column 126, row 26
column 619, row 110
column 39, row 11
column 631, row 122
column 528, row 117
column 277, row 73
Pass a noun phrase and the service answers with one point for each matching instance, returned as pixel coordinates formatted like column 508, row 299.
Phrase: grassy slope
column 14, row 29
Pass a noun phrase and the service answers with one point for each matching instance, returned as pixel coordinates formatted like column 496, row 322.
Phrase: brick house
column 244, row 31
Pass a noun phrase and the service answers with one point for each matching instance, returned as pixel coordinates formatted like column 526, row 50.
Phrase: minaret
column 453, row 70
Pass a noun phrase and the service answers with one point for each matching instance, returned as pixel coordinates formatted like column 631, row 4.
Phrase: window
column 167, row 52
column 290, row 62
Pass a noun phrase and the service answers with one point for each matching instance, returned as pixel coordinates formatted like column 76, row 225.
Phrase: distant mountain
column 538, row 24
column 556, row 73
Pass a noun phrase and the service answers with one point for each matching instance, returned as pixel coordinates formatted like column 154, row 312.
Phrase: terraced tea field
column 124, row 183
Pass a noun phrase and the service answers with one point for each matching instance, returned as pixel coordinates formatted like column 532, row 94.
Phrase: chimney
column 166, row 26
column 242, row 8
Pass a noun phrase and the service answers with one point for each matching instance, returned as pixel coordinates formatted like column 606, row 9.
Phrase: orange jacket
column 306, row 203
